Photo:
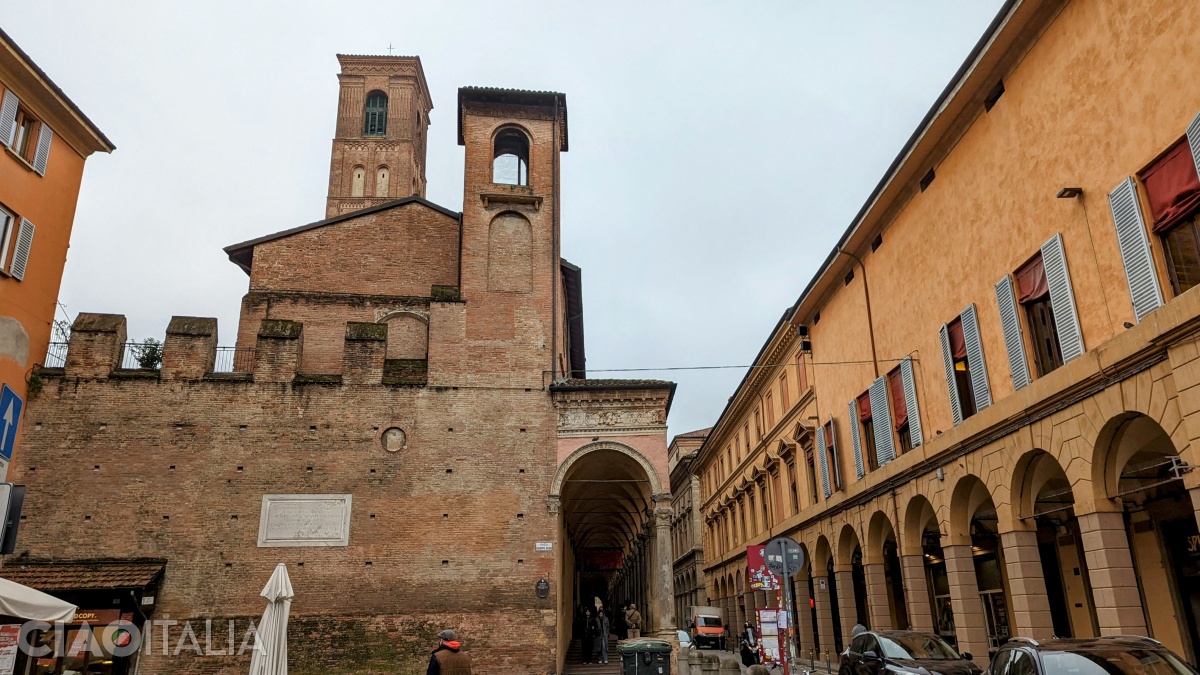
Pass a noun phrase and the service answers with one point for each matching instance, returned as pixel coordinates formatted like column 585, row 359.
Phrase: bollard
column 828, row 669
column 730, row 667
column 812, row 661
column 695, row 663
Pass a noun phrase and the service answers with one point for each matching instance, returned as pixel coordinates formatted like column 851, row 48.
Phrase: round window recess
column 394, row 440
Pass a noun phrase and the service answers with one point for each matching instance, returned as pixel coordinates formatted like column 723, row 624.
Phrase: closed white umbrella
column 270, row 655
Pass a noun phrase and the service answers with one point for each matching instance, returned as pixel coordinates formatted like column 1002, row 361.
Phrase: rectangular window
column 812, row 474
column 867, row 433
column 22, row 139
column 962, row 370
column 801, row 374
column 791, row 469
column 749, row 445
column 1034, row 295
column 766, row 510
column 1173, row 189
column 8, row 226
column 770, row 406
column 750, row 496
column 899, row 409
column 835, row 467
column 757, row 425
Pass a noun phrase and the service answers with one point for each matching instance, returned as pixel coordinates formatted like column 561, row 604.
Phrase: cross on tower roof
column 389, row 49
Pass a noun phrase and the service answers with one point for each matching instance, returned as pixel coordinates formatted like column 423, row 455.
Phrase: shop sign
column 96, row 616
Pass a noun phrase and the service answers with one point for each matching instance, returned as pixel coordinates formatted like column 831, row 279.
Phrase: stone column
column 877, row 597
column 824, row 614
column 1027, row 585
column 662, row 583
column 969, row 622
column 804, row 617
column 1110, row 568
column 847, row 607
column 916, row 593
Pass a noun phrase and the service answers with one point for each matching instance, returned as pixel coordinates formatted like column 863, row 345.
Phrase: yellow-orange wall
column 49, row 203
column 1107, row 88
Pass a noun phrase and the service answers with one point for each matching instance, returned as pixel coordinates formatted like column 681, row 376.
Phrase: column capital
column 554, row 505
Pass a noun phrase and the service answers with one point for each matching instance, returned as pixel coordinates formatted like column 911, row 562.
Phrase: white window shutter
column 1062, row 299
column 824, row 462
column 1135, row 249
column 42, row 155
column 910, row 402
column 1193, row 138
column 1018, row 363
column 858, row 456
column 975, row 361
column 881, row 422
column 20, row 258
column 8, row 117
column 951, row 384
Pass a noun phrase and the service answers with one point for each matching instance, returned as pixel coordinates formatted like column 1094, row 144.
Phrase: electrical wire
column 765, row 365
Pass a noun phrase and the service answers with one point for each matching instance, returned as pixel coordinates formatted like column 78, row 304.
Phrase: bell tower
column 382, row 123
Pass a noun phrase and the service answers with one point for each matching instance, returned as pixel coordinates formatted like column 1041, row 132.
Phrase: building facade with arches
column 991, row 399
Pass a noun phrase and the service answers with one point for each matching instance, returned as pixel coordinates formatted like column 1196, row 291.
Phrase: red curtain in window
column 958, row 345
column 864, row 407
column 899, row 404
column 1173, row 187
column 1031, row 281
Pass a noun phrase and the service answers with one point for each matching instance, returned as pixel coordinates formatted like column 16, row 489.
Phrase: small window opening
column 375, row 115
column 510, row 163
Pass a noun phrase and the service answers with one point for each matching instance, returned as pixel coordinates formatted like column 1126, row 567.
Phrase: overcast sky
column 718, row 149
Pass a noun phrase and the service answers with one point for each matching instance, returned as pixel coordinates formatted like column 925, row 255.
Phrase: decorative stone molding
column 554, row 505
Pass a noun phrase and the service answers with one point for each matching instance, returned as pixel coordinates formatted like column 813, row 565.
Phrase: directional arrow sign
column 10, row 417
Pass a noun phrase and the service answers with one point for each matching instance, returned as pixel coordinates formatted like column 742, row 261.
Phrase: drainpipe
column 554, row 264
column 867, row 295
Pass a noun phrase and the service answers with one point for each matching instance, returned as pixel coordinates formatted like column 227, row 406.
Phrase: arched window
column 510, row 163
column 375, row 116
column 357, row 180
column 381, row 181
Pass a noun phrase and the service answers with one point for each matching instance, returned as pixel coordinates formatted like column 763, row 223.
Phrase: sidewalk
column 802, row 665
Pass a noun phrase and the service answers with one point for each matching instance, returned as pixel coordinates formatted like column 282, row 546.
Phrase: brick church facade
column 406, row 423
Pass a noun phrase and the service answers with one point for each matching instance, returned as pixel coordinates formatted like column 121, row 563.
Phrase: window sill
column 24, row 162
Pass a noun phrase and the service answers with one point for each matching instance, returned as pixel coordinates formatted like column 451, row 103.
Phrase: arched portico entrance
column 614, row 535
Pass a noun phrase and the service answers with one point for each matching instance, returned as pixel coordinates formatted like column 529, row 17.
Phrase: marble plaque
column 304, row 520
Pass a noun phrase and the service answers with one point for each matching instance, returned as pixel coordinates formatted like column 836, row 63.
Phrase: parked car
column 1109, row 655
column 901, row 652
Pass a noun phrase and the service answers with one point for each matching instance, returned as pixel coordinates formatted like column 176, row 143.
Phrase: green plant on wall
column 149, row 354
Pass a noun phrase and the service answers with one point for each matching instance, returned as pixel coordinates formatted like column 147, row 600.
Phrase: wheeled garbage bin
column 645, row 657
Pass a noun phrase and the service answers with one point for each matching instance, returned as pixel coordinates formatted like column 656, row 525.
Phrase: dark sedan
column 896, row 652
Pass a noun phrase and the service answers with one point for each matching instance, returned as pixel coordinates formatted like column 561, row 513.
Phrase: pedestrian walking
column 633, row 619
column 448, row 658
column 602, row 638
column 858, row 628
column 588, row 644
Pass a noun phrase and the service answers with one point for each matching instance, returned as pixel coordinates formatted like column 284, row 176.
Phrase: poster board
column 9, row 633
column 768, row 631
column 758, row 576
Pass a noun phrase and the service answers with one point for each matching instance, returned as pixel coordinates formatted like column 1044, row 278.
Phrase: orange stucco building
column 991, row 382
column 46, row 139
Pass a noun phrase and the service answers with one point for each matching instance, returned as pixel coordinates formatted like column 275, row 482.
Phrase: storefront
column 116, row 599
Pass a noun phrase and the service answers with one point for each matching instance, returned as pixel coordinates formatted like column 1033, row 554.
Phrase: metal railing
column 141, row 356
column 234, row 360
column 56, row 355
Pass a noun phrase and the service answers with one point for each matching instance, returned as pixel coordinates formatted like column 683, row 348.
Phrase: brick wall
column 175, row 466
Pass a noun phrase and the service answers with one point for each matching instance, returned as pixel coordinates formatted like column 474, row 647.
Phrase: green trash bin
column 645, row 657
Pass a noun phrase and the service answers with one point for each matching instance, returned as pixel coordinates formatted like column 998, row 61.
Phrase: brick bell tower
column 382, row 124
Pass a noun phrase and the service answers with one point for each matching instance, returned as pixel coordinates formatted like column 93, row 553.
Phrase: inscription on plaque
column 304, row 520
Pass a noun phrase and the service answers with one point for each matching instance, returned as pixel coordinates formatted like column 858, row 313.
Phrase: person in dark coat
column 448, row 658
column 590, row 630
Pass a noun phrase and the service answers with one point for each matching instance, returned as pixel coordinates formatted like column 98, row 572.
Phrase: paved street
column 803, row 666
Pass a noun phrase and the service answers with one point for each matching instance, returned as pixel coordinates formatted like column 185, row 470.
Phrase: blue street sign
column 10, row 417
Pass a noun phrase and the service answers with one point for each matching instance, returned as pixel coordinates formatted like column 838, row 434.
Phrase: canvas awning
column 24, row 602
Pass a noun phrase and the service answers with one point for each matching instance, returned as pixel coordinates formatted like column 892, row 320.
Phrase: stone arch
column 878, row 531
column 510, row 253
column 407, row 336
column 822, row 552
column 969, row 496
column 917, row 515
column 1037, row 477
column 510, row 155
column 848, row 540
column 656, row 484
column 1131, row 447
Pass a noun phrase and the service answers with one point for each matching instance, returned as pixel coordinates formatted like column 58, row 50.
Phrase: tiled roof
column 62, row 575
column 699, row 433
